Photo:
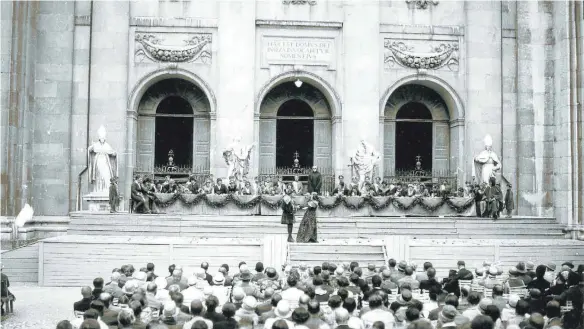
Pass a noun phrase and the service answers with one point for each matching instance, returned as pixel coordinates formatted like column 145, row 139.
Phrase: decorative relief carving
column 422, row 4
column 157, row 47
column 299, row 2
column 442, row 55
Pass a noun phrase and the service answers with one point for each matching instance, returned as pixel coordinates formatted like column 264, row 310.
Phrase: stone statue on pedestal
column 103, row 164
column 237, row 157
column 486, row 164
column 364, row 162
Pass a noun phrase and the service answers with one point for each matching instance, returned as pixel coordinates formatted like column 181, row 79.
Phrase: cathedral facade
column 299, row 81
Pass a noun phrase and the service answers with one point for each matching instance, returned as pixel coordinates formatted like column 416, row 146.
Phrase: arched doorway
column 416, row 123
column 295, row 133
column 294, row 119
column 173, row 114
column 413, row 137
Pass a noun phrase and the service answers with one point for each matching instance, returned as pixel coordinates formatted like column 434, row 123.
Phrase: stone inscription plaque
column 307, row 51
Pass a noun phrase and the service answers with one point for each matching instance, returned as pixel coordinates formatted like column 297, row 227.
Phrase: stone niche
column 421, row 48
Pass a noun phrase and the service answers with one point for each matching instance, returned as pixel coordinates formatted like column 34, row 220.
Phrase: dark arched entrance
column 174, row 131
column 413, row 137
column 294, row 133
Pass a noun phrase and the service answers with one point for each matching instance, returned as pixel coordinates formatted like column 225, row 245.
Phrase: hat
column 402, row 266
column 448, row 314
column 461, row 263
column 339, row 271
column 218, row 278
column 521, row 268
column 569, row 264
column 238, row 294
column 530, row 265
column 200, row 273
column 192, row 281
column 283, row 310
column 513, row 271
column 160, row 283
column 170, row 310
column 551, row 266
column 405, row 297
column 245, row 275
column 249, row 303
column 493, row 270
column 140, row 276
column 386, row 274
column 207, row 291
column 513, row 299
column 371, row 267
column 484, row 303
column 303, row 266
column 130, row 287
column 460, row 320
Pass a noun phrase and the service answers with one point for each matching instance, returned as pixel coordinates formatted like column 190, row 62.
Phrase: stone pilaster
column 362, row 47
column 52, row 107
column 235, row 108
column 532, row 27
column 5, row 69
column 19, row 100
column 109, row 79
column 483, row 77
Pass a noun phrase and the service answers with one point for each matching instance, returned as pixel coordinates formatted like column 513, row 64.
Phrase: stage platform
column 75, row 260
column 254, row 226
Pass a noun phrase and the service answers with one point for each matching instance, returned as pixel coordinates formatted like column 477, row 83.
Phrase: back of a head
column 482, row 322
column 98, row 306
column 412, row 314
column 91, row 314
column 259, row 267
column 409, row 270
column 537, row 320
column 152, row 288
column 522, row 307
column 317, row 281
column 199, row 324
column 353, row 265
column 498, row 290
column 359, row 271
column 136, row 307
column 427, row 265
column 125, row 318
column 178, row 298
column 98, row 283
column 540, row 271
column 493, row 312
column 474, row 298
column 341, row 315
column 65, row 324
column 350, row 304
column 420, row 324
column 106, row 299
column 86, row 292
column 291, row 280
column 276, row 298
column 313, row 307
column 300, row 315
column 171, row 268
column 90, row 324
column 431, row 273
column 378, row 325
column 451, row 300
column 228, row 310
column 376, row 281
column 392, row 262
column 343, row 293
column 317, row 270
column 211, row 302
column 375, row 301
column 197, row 307
column 280, row 324
column 335, row 301
column 553, row 310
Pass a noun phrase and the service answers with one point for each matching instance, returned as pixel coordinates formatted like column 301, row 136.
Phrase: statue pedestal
column 99, row 202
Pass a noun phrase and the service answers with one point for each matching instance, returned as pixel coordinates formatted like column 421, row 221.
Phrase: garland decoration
column 326, row 203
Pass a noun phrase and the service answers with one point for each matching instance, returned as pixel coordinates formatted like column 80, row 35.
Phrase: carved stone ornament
column 422, row 4
column 299, row 2
column 195, row 48
column 443, row 55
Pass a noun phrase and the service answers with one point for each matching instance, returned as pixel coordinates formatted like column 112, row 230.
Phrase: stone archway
column 447, row 119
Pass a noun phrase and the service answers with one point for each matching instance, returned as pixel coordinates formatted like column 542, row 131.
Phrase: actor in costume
column 137, row 195
column 308, row 226
column 314, row 181
column 493, row 198
column 102, row 163
column 486, row 163
column 114, row 195
column 509, row 202
column 288, row 209
column 364, row 162
column 148, row 191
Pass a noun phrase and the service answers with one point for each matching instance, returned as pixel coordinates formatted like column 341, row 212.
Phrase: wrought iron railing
column 426, row 177
column 287, row 175
column 179, row 174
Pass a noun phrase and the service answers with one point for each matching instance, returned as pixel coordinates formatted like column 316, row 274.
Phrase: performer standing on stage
column 307, row 229
column 288, row 209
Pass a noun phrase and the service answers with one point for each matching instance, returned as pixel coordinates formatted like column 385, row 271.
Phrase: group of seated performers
column 394, row 188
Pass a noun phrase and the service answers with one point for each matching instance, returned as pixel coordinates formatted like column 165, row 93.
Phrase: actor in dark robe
column 478, row 197
column 509, row 202
column 314, row 181
column 288, row 215
column 307, row 229
column 493, row 197
column 138, row 196
column 114, row 195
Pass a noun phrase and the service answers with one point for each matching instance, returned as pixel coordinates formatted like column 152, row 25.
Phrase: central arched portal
column 295, row 122
column 413, row 137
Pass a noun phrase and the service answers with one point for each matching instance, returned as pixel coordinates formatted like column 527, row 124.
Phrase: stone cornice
column 148, row 21
column 279, row 23
column 83, row 20
column 456, row 123
column 422, row 29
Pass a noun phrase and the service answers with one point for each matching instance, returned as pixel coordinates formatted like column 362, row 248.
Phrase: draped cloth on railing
column 328, row 206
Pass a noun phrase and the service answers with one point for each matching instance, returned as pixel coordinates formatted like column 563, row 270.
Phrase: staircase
column 328, row 228
column 312, row 254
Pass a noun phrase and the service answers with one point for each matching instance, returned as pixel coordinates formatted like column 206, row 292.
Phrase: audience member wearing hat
column 259, row 268
column 219, row 290
column 447, row 316
column 400, row 273
column 193, row 292
column 526, row 278
column 282, row 312
column 247, row 311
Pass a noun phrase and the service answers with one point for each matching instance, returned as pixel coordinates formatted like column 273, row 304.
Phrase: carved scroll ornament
column 299, row 2
column 441, row 55
column 422, row 4
column 195, row 48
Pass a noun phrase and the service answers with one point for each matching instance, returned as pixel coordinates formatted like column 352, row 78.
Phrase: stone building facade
column 509, row 69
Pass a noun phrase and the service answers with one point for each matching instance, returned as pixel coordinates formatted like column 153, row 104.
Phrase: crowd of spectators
column 347, row 296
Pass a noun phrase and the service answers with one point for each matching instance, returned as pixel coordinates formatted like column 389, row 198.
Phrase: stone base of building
column 100, row 202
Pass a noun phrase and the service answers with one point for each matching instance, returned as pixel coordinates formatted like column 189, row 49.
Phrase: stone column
column 18, row 95
column 109, row 79
column 5, row 78
column 483, row 77
column 362, row 49
column 235, row 97
column 532, row 24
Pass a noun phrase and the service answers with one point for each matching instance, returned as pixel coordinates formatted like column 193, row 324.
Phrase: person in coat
column 314, row 181
column 288, row 209
column 509, row 203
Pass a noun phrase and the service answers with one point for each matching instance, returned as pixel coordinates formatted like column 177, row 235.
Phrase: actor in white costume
column 237, row 157
column 103, row 163
column 364, row 162
column 486, row 164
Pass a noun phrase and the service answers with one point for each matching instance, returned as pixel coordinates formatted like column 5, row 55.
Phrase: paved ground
column 40, row 307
